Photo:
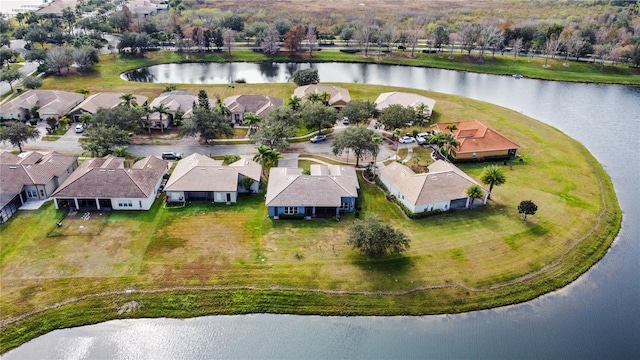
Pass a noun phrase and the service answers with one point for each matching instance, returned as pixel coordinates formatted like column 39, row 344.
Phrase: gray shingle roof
column 444, row 181
column 326, row 185
column 200, row 173
column 405, row 99
column 257, row 104
column 105, row 100
column 106, row 177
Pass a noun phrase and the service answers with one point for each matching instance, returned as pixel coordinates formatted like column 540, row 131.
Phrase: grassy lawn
column 229, row 259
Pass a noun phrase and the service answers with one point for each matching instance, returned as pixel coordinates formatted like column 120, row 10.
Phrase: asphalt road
column 68, row 144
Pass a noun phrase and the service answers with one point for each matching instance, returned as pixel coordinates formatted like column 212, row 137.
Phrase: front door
column 308, row 211
column 228, row 197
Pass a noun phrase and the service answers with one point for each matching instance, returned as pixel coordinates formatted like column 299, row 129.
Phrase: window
column 290, row 210
column 32, row 193
column 42, row 193
column 125, row 203
column 344, row 206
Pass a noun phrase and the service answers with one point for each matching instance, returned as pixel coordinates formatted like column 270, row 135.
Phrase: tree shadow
column 389, row 264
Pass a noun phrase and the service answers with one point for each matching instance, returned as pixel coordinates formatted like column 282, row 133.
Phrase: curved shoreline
column 584, row 252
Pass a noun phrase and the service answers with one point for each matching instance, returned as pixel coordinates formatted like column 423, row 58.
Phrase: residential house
column 198, row 177
column 177, row 103
column 478, row 141
column 328, row 191
column 442, row 187
column 105, row 183
column 405, row 99
column 46, row 103
column 103, row 100
column 30, row 176
column 240, row 105
column 339, row 96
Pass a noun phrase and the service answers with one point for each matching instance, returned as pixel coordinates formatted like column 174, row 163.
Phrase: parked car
column 318, row 138
column 407, row 140
column 345, row 120
column 79, row 128
column 423, row 138
column 171, row 155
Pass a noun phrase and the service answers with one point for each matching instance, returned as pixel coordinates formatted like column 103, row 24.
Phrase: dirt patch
column 87, row 223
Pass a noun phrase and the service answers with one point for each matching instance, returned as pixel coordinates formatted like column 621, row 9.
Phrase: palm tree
column 396, row 134
column 449, row 145
column 252, row 120
column 267, row 157
column 474, row 192
column 161, row 109
column 146, row 111
column 121, row 151
column 314, row 97
column 325, row 97
column 493, row 175
column 128, row 100
column 295, row 103
column 422, row 114
column 452, row 127
column 377, row 141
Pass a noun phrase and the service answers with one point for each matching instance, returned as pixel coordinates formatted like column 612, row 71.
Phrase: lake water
column 596, row 317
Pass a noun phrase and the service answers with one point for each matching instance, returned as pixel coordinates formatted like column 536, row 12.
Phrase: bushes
column 350, row 51
column 306, row 76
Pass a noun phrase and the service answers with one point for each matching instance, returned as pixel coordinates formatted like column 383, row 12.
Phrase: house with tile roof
column 49, row 104
column 103, row 100
column 384, row 100
column 31, row 176
column 240, row 105
column 199, row 178
column 328, row 191
column 442, row 187
column 339, row 96
column 175, row 102
column 478, row 141
column 105, row 183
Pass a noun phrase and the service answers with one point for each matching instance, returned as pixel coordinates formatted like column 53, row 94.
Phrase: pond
column 595, row 317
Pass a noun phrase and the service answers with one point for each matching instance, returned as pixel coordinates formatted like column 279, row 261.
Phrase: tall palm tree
column 449, row 146
column 377, row 141
column 314, row 97
column 325, row 97
column 267, row 157
column 295, row 103
column 451, row 127
column 474, row 192
column 252, row 120
column 396, row 134
column 422, row 114
column 493, row 175
column 128, row 100
column 162, row 109
column 146, row 111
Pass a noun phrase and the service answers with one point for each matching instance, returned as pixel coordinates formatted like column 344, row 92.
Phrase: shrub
column 350, row 51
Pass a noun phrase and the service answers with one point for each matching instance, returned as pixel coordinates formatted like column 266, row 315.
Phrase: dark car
column 170, row 155
column 318, row 138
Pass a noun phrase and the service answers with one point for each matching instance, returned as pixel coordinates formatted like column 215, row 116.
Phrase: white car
column 407, row 140
column 79, row 128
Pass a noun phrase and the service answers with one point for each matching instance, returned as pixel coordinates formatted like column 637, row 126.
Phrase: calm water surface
column 596, row 317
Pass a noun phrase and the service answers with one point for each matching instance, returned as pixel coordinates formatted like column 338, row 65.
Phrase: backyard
column 211, row 258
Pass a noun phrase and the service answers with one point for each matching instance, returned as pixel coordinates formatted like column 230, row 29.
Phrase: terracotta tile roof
column 106, row 177
column 475, row 136
column 443, row 181
column 338, row 95
column 325, row 187
column 405, row 99
column 200, row 173
column 105, row 100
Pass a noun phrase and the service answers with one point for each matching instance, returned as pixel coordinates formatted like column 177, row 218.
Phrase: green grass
column 227, row 259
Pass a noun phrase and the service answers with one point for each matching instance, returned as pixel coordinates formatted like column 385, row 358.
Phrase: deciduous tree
column 101, row 139
column 10, row 75
column 527, row 207
column 358, row 111
column 17, row 133
column 318, row 116
column 397, row 116
column 358, row 139
column 374, row 239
